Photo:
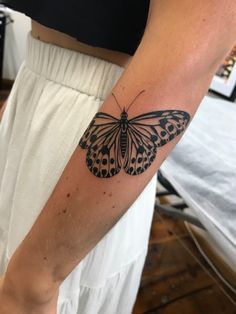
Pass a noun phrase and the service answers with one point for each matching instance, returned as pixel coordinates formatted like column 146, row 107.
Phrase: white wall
column 15, row 44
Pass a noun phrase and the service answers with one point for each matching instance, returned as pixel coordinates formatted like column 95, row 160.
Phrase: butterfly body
column 124, row 123
column 131, row 144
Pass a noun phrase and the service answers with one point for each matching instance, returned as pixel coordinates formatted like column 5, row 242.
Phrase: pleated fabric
column 55, row 96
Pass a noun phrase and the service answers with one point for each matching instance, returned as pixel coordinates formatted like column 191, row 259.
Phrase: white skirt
column 55, row 95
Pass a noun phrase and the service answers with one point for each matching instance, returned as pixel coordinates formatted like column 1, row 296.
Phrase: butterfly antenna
column 117, row 102
column 135, row 99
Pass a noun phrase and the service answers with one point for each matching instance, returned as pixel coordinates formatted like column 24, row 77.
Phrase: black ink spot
column 163, row 142
column 94, row 155
column 146, row 166
column 149, row 153
column 145, row 159
column 104, row 161
column 140, row 160
column 140, row 150
column 95, row 147
column 113, row 171
column 98, row 161
column 131, row 169
column 171, row 137
column 95, row 170
column 154, row 138
column 68, row 195
column 83, row 145
column 112, row 161
column 170, row 128
column 105, row 150
column 133, row 160
column 93, row 138
column 89, row 162
column 152, row 158
column 163, row 133
column 104, row 172
column 163, row 121
column 139, row 170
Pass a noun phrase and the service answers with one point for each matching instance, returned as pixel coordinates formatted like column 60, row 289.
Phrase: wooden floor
column 173, row 282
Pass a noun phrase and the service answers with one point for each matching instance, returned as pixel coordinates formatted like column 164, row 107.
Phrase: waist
column 69, row 69
column 55, row 37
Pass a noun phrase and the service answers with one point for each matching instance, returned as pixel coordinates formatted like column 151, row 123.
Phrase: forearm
column 83, row 207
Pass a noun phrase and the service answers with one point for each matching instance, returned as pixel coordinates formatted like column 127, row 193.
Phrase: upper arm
column 193, row 34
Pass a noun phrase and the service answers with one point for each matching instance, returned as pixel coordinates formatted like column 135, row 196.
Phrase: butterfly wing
column 102, row 140
column 149, row 131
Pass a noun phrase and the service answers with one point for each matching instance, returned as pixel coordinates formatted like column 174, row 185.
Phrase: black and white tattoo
column 114, row 143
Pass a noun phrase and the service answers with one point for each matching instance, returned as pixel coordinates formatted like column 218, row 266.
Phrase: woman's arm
column 181, row 49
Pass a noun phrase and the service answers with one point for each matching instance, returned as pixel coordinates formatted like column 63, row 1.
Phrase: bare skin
column 60, row 39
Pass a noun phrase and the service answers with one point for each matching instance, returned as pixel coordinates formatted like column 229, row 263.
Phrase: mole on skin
column 68, row 195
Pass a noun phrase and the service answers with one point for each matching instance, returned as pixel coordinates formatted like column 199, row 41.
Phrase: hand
column 9, row 304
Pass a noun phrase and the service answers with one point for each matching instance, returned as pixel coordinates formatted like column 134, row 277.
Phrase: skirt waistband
column 87, row 74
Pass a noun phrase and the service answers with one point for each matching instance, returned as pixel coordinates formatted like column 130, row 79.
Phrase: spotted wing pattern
column 101, row 139
column 144, row 134
column 149, row 131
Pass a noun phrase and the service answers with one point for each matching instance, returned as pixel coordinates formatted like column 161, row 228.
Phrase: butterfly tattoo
column 131, row 144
